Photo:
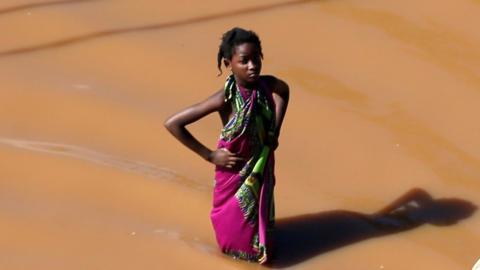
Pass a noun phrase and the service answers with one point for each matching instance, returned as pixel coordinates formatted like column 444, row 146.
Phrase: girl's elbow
column 173, row 125
column 169, row 124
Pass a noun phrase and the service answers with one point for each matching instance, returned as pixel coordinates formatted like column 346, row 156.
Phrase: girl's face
column 245, row 64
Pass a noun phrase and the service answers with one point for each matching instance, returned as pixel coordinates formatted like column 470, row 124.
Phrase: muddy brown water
column 379, row 158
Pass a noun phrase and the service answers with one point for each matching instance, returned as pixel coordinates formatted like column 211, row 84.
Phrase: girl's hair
column 234, row 37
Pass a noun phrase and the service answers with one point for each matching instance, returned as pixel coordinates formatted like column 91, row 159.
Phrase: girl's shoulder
column 215, row 101
column 276, row 85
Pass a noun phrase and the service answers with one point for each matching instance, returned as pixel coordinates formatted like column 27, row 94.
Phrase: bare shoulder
column 215, row 102
column 217, row 99
column 277, row 85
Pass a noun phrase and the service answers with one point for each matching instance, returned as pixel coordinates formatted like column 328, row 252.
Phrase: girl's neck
column 248, row 87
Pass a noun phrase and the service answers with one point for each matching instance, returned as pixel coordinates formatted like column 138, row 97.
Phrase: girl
column 252, row 108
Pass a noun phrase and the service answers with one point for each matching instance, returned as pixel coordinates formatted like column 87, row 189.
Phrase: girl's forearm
column 187, row 139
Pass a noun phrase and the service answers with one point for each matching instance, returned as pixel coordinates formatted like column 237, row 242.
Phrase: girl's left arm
column 281, row 94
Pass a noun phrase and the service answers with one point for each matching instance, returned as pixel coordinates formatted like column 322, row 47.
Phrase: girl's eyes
column 245, row 60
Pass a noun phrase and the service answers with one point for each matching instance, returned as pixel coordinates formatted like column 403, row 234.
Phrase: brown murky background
column 385, row 98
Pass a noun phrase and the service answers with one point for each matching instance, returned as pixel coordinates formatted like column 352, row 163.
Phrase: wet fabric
column 243, row 203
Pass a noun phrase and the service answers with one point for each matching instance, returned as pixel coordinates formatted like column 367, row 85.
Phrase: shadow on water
column 151, row 27
column 40, row 4
column 300, row 238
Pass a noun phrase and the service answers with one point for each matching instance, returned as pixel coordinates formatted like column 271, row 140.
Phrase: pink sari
column 243, row 208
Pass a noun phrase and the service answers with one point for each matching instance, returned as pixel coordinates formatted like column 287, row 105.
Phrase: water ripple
column 151, row 171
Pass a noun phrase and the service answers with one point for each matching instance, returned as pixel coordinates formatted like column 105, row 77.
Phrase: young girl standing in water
column 252, row 108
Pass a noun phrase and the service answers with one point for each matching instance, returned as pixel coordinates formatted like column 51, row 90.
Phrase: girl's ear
column 226, row 62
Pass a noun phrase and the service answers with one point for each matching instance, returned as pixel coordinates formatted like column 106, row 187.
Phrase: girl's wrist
column 209, row 157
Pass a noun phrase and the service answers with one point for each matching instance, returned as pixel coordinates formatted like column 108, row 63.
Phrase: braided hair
column 232, row 38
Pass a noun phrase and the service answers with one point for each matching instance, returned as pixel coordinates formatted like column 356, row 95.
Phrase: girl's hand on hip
column 223, row 157
column 272, row 142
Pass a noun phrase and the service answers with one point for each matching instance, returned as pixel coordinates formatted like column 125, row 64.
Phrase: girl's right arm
column 177, row 122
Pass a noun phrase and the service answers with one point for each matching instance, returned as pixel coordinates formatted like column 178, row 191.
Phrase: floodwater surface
column 379, row 159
